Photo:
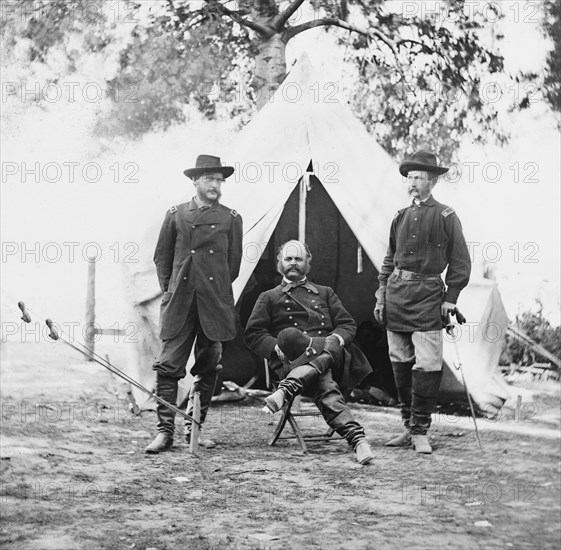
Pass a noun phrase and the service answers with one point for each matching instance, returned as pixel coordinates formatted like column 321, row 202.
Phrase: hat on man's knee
column 299, row 348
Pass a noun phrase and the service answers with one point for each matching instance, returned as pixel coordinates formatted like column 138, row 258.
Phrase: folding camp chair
column 291, row 410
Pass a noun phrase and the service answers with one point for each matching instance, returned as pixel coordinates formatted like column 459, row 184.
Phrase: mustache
column 294, row 268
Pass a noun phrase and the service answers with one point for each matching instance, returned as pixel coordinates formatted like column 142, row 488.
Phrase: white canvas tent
column 352, row 175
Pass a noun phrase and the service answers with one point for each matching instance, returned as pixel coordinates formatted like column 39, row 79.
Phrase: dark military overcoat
column 198, row 255
column 315, row 310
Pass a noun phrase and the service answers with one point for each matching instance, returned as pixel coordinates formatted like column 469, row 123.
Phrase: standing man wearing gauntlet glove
column 412, row 301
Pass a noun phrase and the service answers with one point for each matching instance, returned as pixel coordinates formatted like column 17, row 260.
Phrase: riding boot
column 353, row 432
column 204, row 384
column 402, row 373
column 425, row 394
column 296, row 382
column 166, row 388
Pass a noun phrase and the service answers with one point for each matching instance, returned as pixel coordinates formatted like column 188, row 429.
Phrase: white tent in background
column 305, row 127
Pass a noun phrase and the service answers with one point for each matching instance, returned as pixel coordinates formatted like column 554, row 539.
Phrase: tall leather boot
column 353, row 432
column 403, row 376
column 298, row 380
column 166, row 388
column 204, row 384
column 425, row 395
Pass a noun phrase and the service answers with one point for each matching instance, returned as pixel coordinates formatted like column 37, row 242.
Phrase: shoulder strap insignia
column 234, row 213
column 173, row 209
column 397, row 214
column 448, row 211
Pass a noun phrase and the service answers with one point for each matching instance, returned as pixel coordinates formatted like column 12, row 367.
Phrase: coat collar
column 287, row 287
column 197, row 217
column 427, row 202
column 192, row 205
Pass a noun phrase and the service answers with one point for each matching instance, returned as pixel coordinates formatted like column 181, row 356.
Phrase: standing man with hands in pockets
column 412, row 301
column 197, row 258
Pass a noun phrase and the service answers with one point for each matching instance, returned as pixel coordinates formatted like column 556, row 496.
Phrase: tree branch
column 235, row 16
column 335, row 22
column 280, row 20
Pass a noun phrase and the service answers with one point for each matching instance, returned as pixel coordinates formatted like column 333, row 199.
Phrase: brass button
column 184, row 278
column 323, row 324
column 210, row 279
column 319, row 332
column 287, row 309
column 295, row 324
column 290, row 316
column 193, row 226
column 211, row 251
column 212, row 226
column 192, row 251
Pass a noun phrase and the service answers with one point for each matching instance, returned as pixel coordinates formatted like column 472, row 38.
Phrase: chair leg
column 282, row 422
column 287, row 416
column 297, row 432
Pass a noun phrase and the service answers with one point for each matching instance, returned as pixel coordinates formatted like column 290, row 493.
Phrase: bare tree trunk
column 270, row 68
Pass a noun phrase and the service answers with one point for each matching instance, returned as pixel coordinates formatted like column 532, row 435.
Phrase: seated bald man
column 317, row 312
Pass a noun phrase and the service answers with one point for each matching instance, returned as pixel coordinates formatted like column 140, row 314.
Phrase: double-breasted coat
column 197, row 257
column 315, row 310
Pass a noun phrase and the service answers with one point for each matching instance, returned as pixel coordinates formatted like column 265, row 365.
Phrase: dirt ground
column 74, row 474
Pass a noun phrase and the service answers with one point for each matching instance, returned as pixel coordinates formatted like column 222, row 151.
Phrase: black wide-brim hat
column 299, row 348
column 424, row 161
column 206, row 164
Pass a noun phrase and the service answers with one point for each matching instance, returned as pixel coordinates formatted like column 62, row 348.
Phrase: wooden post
column 89, row 336
column 194, row 445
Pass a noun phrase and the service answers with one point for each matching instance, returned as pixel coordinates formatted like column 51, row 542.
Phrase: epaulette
column 397, row 214
column 173, row 209
column 234, row 213
column 448, row 211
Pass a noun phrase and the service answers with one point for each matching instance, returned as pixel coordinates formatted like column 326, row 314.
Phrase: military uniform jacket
column 197, row 256
column 424, row 239
column 315, row 310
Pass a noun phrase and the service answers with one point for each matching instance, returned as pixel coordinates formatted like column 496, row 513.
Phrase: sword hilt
column 53, row 333
column 25, row 317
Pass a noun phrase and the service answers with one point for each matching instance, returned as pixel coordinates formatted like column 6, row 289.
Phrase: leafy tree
column 552, row 27
column 47, row 47
column 238, row 50
column 418, row 75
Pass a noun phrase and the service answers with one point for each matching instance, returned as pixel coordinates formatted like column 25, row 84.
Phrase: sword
column 450, row 330
column 54, row 335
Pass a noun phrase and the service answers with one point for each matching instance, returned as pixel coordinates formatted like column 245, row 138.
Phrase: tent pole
column 304, row 184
